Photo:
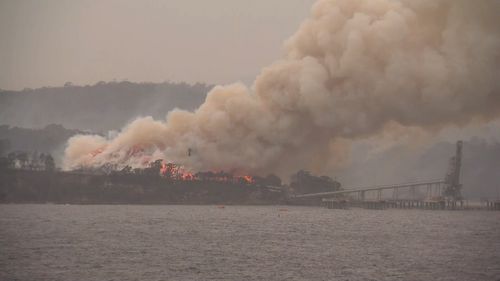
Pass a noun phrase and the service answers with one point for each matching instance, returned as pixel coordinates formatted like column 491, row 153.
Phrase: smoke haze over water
column 353, row 70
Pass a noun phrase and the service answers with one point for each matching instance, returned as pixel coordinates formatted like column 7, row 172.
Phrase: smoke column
column 352, row 69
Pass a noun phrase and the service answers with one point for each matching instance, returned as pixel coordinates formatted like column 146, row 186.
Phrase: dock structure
column 432, row 200
column 493, row 205
column 441, row 194
column 332, row 203
column 432, row 187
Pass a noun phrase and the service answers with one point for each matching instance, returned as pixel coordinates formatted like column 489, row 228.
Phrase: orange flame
column 248, row 179
column 163, row 169
column 175, row 172
column 186, row 176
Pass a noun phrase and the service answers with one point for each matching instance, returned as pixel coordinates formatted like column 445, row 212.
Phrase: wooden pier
column 333, row 203
column 444, row 194
column 493, row 205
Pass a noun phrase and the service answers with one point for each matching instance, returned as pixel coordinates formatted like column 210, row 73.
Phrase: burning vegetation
column 171, row 172
column 353, row 70
column 158, row 182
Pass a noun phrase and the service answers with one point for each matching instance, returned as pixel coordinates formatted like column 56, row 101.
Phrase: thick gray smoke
column 351, row 71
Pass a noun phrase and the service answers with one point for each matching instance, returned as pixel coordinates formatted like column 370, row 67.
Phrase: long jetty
column 439, row 194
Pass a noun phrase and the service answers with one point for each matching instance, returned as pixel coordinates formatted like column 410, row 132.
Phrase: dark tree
column 22, row 157
column 49, row 163
column 4, row 163
column 273, row 180
column 154, row 168
column 4, row 146
column 127, row 170
column 305, row 182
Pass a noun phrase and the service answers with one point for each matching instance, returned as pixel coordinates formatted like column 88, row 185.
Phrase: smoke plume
column 352, row 69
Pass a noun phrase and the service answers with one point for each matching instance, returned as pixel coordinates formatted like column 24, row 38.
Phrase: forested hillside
column 98, row 108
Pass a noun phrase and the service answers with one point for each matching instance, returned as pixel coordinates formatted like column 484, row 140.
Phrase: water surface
column 130, row 242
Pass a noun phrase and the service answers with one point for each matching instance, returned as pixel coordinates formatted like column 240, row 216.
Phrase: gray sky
column 49, row 42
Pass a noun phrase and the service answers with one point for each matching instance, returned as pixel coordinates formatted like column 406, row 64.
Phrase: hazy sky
column 49, row 42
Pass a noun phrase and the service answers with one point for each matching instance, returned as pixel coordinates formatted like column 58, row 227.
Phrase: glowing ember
column 163, row 169
column 247, row 179
column 187, row 176
column 176, row 172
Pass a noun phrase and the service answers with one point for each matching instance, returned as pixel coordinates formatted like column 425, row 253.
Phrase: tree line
column 28, row 161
